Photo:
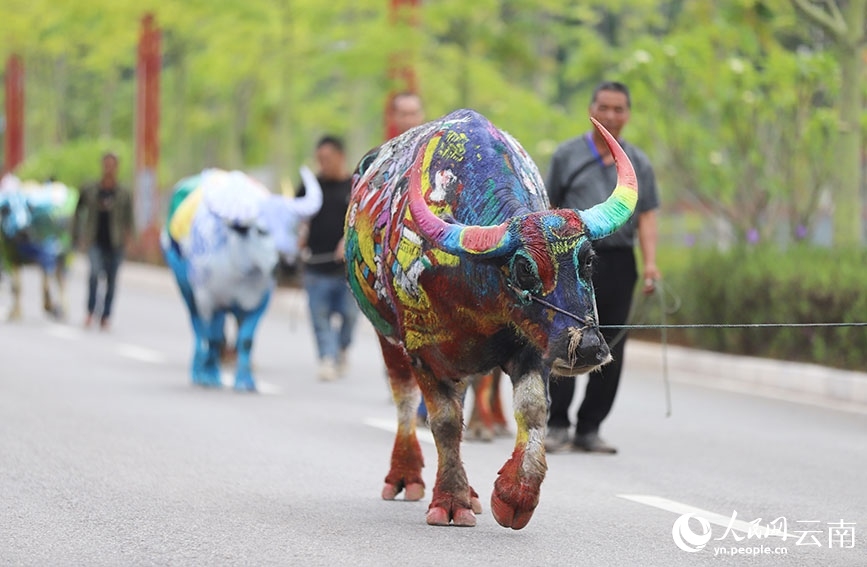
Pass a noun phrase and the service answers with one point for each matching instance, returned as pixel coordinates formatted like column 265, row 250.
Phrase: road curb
column 712, row 368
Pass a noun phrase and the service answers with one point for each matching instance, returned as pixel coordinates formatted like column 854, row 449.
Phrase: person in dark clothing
column 328, row 293
column 102, row 226
column 582, row 174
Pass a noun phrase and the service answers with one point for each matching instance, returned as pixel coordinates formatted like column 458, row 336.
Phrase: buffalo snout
column 578, row 350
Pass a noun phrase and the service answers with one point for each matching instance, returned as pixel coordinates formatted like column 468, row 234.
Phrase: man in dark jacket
column 102, row 227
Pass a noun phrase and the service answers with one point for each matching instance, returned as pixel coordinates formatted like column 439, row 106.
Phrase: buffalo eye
column 585, row 259
column 525, row 275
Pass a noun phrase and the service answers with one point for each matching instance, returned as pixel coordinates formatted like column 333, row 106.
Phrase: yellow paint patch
column 182, row 219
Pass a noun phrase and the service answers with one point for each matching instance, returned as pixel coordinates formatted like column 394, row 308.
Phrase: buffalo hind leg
column 15, row 285
column 247, row 322
column 481, row 424
column 501, row 427
column 454, row 501
column 406, row 456
column 516, row 490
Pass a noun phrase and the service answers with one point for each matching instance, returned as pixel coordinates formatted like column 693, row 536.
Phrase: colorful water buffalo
column 454, row 256
column 222, row 239
column 35, row 222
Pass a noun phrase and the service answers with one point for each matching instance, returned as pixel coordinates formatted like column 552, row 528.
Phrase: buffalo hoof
column 245, row 384
column 502, row 430
column 479, row 432
column 445, row 509
column 207, row 379
column 413, row 491
column 510, row 516
column 462, row 517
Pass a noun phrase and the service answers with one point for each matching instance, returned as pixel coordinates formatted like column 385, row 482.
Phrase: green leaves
column 735, row 112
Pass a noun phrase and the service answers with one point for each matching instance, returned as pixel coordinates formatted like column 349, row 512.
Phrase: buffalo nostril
column 590, row 340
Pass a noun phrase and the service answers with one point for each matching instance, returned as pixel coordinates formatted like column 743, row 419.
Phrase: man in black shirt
column 324, row 273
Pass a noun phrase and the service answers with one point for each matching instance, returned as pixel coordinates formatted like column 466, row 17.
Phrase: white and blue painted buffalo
column 222, row 240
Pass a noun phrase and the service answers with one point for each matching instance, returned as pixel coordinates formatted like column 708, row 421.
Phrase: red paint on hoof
column 414, row 491
column 446, row 508
column 438, row 517
column 464, row 518
column 515, row 496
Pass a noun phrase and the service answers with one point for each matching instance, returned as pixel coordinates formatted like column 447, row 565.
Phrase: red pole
column 14, row 145
column 147, row 135
column 401, row 72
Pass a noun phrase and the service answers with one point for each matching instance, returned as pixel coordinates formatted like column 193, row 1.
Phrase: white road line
column 141, row 353
column 424, row 435
column 64, row 332
column 713, row 518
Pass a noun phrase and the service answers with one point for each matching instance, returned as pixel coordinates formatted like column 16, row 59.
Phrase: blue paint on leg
column 247, row 323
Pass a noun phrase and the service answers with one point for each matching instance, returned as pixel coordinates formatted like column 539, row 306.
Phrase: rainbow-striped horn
column 606, row 217
column 452, row 237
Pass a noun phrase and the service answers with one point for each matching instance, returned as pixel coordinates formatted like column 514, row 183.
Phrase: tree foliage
column 736, row 101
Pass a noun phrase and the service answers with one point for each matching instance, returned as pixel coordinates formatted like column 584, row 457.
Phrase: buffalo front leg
column 206, row 362
column 516, row 490
column 247, row 322
column 454, row 501
column 406, row 457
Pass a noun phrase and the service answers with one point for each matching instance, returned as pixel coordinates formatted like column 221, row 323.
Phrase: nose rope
column 588, row 322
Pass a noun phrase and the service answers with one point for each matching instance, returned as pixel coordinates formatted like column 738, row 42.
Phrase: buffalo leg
column 406, row 456
column 501, row 428
column 516, row 490
column 247, row 322
column 481, row 424
column 15, row 283
column 453, row 501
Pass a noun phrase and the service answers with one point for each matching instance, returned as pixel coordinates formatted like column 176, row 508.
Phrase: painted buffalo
column 35, row 224
column 222, row 240
column 454, row 256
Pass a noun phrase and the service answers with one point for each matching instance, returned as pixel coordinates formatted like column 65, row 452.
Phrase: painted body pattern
column 454, row 256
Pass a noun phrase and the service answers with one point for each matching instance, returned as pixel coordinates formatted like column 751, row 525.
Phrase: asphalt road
column 109, row 457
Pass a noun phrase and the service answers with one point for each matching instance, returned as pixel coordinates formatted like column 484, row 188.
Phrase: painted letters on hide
column 454, row 256
column 222, row 239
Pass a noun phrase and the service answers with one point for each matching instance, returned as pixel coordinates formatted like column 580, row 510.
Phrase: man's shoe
column 592, row 443
column 557, row 439
column 327, row 370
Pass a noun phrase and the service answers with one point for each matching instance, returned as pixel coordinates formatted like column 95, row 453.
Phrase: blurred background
column 751, row 112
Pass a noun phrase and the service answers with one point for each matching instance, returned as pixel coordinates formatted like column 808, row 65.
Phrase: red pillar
column 147, row 143
column 14, row 143
column 401, row 73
